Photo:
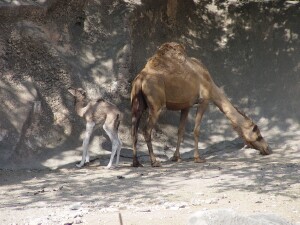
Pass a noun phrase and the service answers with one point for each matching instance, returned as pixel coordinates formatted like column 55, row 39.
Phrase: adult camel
column 174, row 81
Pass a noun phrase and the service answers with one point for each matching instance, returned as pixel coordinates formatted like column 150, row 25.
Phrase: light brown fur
column 98, row 112
column 174, row 81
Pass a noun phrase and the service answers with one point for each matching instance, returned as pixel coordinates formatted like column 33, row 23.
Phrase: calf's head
column 78, row 93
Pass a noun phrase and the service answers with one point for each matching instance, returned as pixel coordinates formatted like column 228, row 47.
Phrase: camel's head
column 257, row 141
column 78, row 93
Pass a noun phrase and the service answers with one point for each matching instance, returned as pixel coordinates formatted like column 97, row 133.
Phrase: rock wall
column 250, row 48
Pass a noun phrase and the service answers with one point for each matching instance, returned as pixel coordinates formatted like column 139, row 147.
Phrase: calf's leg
column 85, row 154
column 115, row 142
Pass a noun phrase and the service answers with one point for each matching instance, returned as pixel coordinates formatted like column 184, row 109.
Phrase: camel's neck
column 240, row 122
column 81, row 107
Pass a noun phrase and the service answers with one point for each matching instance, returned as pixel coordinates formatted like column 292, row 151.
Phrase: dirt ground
column 240, row 180
column 46, row 46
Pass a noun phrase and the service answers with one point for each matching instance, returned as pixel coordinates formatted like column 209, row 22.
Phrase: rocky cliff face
column 46, row 46
column 35, row 70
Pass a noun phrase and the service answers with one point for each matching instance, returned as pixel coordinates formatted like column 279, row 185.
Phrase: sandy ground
column 240, row 180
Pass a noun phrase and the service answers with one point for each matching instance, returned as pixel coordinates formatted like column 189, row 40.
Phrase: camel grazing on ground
column 174, row 81
column 98, row 112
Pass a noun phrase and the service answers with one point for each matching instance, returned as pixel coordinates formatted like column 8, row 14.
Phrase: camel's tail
column 138, row 102
column 138, row 105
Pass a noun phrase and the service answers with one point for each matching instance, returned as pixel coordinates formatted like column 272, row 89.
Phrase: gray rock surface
column 231, row 217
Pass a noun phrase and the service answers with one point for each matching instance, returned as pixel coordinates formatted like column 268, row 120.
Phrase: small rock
column 196, row 202
column 122, row 207
column 75, row 206
column 166, row 147
column 78, row 215
column 212, row 201
column 224, row 196
column 200, row 193
column 143, row 210
column 58, row 189
column 109, row 209
column 77, row 221
column 68, row 223
column 174, row 208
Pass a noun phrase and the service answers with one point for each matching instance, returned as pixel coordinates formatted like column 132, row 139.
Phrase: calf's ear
column 83, row 92
column 72, row 91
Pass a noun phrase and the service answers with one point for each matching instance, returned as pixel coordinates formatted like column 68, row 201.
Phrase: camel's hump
column 167, row 52
column 171, row 49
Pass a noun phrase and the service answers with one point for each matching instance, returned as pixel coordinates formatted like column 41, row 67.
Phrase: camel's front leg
column 181, row 130
column 200, row 111
column 88, row 133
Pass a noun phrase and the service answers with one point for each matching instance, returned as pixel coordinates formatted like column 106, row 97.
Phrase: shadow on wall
column 104, row 48
column 83, row 44
column 34, row 46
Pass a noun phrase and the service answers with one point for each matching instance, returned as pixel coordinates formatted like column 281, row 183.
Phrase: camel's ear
column 72, row 91
column 83, row 92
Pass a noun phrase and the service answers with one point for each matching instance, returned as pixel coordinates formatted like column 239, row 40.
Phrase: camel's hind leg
column 153, row 116
column 115, row 142
column 118, row 151
column 181, row 131
column 200, row 111
column 85, row 154
column 137, row 108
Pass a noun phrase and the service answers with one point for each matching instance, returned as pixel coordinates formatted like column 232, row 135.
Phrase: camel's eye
column 255, row 128
column 259, row 138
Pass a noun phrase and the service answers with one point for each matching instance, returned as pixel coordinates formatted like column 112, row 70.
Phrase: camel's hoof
column 109, row 167
column 176, row 159
column 199, row 160
column 156, row 164
column 137, row 164
column 79, row 165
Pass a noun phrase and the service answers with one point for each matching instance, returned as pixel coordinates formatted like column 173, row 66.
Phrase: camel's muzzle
column 266, row 151
column 261, row 146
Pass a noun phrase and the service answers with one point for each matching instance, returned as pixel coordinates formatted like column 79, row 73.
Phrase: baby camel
column 98, row 112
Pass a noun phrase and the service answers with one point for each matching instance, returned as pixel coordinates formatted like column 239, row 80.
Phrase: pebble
column 175, row 205
column 143, row 210
column 196, row 202
column 212, row 201
column 78, row 221
column 200, row 193
column 76, row 206
column 109, row 209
